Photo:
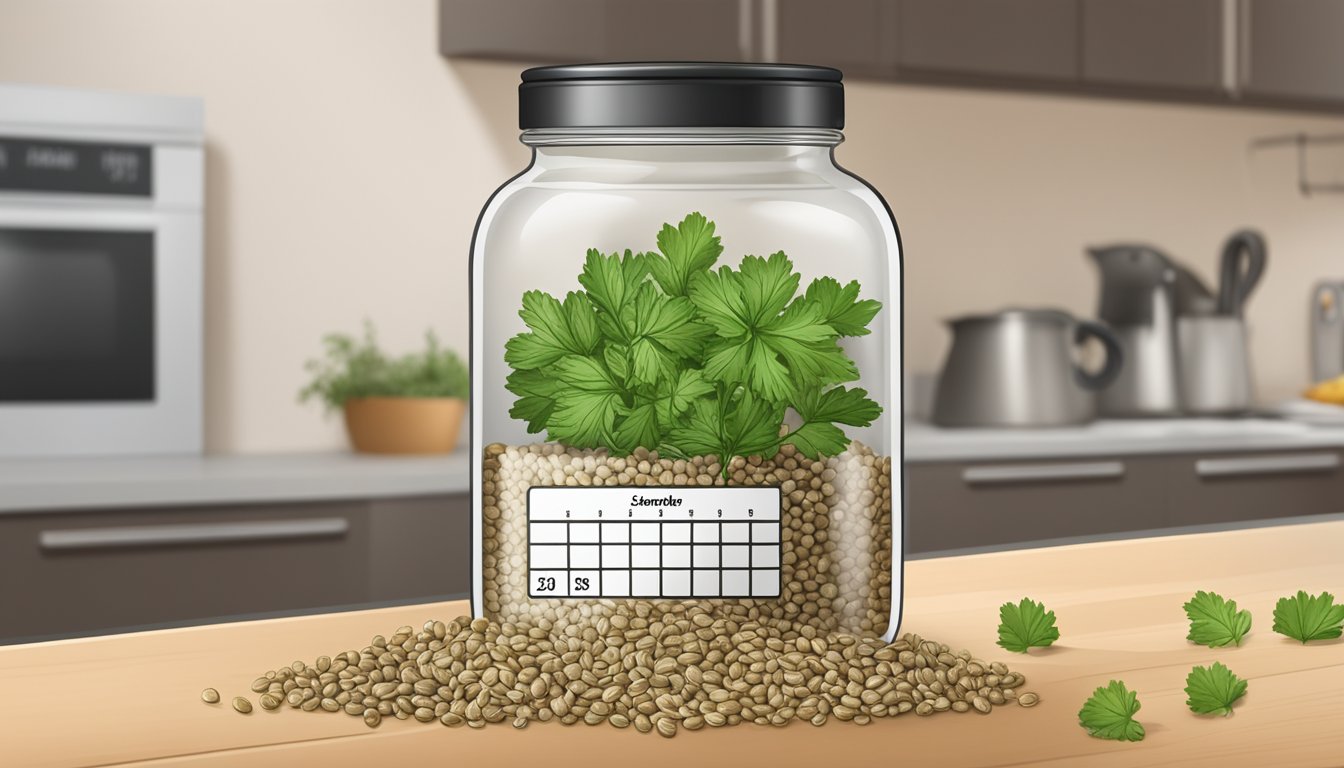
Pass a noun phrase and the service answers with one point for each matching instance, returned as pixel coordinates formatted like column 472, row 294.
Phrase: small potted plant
column 409, row 404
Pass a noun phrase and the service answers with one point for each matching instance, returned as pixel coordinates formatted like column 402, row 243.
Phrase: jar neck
column 593, row 137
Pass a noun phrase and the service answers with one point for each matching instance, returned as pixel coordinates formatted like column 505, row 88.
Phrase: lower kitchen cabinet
column 1259, row 486
column 90, row 571
column 952, row 506
column 956, row 505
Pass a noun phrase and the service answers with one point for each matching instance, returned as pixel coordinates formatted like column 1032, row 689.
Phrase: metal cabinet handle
column 1031, row 473
column 1267, row 465
column 194, row 533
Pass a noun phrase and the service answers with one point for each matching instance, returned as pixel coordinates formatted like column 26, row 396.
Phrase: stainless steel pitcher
column 1016, row 368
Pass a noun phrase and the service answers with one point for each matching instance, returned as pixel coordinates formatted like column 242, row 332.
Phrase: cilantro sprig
column 1109, row 713
column 661, row 350
column 1213, row 690
column 1026, row 625
column 1214, row 621
column 1305, row 617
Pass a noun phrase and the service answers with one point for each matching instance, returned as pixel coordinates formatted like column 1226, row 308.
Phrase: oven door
column 100, row 328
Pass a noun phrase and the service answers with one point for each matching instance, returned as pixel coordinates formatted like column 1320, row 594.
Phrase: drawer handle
column 1267, row 465
column 1031, row 473
column 195, row 533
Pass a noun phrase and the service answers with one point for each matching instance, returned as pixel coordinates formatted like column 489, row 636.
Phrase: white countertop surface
column 926, row 443
column 31, row 485
column 28, row 485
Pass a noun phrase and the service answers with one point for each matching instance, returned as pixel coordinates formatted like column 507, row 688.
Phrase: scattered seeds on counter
column 242, row 705
column 210, row 696
column 662, row 666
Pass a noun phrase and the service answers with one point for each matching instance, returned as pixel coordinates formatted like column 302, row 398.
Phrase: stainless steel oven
column 101, row 262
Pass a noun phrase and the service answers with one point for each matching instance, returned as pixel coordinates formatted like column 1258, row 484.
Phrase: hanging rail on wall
column 1301, row 141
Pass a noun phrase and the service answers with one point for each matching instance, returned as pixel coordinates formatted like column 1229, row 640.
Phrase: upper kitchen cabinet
column 856, row 36
column 553, row 32
column 989, row 39
column 1293, row 50
column 1176, row 45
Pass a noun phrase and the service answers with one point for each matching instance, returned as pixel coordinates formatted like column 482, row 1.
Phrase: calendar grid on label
column 702, row 543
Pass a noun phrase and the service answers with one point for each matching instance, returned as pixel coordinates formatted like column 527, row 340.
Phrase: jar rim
column 560, row 137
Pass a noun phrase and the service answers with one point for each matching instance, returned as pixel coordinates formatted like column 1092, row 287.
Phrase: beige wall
column 347, row 162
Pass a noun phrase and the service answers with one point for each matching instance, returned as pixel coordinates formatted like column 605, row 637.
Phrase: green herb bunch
column 355, row 368
column 664, row 352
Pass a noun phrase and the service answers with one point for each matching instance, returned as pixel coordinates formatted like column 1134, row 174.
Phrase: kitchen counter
column 28, row 485
column 925, row 443
column 135, row 699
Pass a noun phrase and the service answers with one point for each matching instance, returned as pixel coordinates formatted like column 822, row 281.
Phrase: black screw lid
column 681, row 95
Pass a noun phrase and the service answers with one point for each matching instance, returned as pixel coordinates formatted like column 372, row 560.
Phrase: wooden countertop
column 135, row 699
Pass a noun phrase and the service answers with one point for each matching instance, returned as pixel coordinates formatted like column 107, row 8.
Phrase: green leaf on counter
column 1025, row 625
column 1214, row 621
column 1306, row 617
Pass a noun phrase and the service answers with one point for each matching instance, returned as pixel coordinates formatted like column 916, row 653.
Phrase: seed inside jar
column 835, row 555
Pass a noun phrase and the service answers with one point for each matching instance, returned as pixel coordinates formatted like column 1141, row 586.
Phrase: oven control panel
column 74, row 167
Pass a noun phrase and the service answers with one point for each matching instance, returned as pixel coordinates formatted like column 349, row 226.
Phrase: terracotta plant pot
column 404, row 424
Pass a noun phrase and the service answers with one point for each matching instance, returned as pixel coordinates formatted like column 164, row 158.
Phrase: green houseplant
column 408, row 404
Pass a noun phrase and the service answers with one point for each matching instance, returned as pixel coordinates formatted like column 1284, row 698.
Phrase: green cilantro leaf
column 768, row 285
column 818, row 436
column 1026, row 625
column 611, row 282
column 638, row 427
column 1109, row 713
column 663, row 332
column 775, row 347
column 1306, row 617
column 672, row 398
column 689, row 249
column 587, row 404
column 557, row 330
column 1212, row 690
column 536, row 397
column 1216, row 622
column 727, row 427
column 840, row 306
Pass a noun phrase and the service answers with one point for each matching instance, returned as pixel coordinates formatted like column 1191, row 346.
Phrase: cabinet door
column 855, row 36
column 1001, row 39
column 957, row 506
column 1226, row 488
column 420, row 548
column 552, row 32
column 1294, row 49
column 108, row 570
column 1168, row 44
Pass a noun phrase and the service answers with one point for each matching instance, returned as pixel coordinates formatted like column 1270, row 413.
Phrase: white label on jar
column 683, row 543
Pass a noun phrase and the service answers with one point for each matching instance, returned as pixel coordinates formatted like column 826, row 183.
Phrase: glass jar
column 686, row 357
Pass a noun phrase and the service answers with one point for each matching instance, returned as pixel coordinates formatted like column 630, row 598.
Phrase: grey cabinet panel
column 1176, row 44
column 1293, row 49
column 78, row 572
column 420, row 547
column 653, row 30
column 525, row 30
column 1009, row 39
column 1230, row 488
column 551, row 32
column 857, row 36
column 951, row 506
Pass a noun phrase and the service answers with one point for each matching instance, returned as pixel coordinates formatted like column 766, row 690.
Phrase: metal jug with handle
column 1016, row 368
column 1143, row 292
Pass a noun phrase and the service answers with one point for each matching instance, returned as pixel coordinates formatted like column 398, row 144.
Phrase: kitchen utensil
column 1242, row 266
column 1016, row 368
column 1142, row 292
column 1215, row 371
column 1327, row 330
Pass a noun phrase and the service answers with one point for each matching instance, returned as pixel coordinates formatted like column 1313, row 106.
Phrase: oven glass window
column 76, row 315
